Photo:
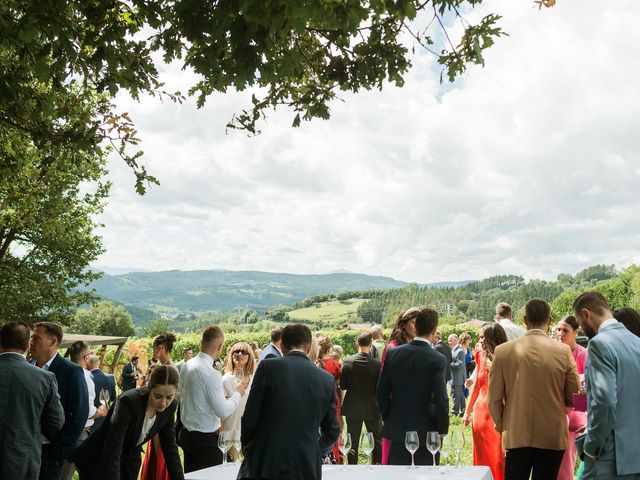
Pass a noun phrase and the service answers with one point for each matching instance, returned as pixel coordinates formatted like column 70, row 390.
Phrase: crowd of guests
column 536, row 399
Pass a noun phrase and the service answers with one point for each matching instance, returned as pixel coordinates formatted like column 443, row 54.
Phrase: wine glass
column 433, row 445
column 344, row 445
column 224, row 444
column 238, row 375
column 367, row 443
column 104, row 397
column 411, row 443
column 445, row 444
column 236, row 443
column 457, row 442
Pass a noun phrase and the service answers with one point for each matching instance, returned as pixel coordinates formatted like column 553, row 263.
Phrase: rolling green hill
column 334, row 312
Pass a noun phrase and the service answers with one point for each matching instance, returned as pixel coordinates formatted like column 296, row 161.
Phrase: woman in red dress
column 331, row 365
column 487, row 443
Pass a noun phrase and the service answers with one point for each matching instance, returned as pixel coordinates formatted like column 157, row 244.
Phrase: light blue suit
column 612, row 376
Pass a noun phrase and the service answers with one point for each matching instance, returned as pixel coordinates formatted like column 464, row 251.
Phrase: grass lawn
column 329, row 312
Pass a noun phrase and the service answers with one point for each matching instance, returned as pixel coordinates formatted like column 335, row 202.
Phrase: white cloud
column 524, row 166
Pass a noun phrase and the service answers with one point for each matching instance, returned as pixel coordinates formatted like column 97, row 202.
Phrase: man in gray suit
column 609, row 447
column 29, row 406
column 458, row 375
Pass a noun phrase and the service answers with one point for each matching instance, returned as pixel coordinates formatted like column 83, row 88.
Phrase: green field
column 329, row 313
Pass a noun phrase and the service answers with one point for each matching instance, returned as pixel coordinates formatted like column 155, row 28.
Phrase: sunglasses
column 240, row 352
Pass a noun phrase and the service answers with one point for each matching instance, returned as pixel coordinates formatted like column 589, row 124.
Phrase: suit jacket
column 128, row 381
column 29, row 406
column 291, row 400
column 270, row 351
column 112, row 452
column 74, row 397
column 359, row 378
column 445, row 350
column 101, row 381
column 612, row 375
column 531, row 383
column 412, row 392
column 458, row 366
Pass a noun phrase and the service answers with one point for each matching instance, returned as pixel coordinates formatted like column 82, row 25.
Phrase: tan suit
column 531, row 383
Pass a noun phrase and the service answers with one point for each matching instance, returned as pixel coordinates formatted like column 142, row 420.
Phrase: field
column 329, row 313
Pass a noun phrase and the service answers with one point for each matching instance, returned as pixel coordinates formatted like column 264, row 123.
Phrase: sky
column 530, row 166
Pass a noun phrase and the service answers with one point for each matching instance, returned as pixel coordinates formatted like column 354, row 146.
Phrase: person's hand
column 465, row 420
column 468, row 382
column 242, row 386
column 101, row 412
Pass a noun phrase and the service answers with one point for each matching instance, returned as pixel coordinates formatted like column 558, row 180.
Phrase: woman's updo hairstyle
column 167, row 340
column 571, row 321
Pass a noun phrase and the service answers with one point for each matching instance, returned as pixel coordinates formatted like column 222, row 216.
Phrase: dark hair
column 630, row 318
column 364, row 339
column 538, row 311
column 398, row 333
column 295, row 336
column 593, row 301
column 503, row 310
column 76, row 349
column 134, row 358
column 15, row 336
column 163, row 375
column 494, row 335
column 167, row 340
column 426, row 322
column 276, row 335
column 185, row 350
column 210, row 334
column 52, row 330
column 571, row 321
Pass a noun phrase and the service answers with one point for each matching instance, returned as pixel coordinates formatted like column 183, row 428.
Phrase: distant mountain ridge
column 223, row 290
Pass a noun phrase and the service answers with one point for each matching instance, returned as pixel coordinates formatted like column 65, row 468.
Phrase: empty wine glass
column 238, row 375
column 411, row 443
column 445, row 445
column 224, row 444
column 457, row 442
column 236, row 444
column 367, row 443
column 433, row 445
column 104, row 397
column 344, row 445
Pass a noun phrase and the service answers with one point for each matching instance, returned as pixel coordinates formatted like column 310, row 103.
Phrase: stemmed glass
column 367, row 444
column 224, row 444
column 411, row 443
column 344, row 445
column 238, row 375
column 433, row 445
column 104, row 397
column 236, row 443
column 457, row 442
column 445, row 444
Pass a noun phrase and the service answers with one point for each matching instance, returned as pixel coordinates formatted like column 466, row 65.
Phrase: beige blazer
column 531, row 383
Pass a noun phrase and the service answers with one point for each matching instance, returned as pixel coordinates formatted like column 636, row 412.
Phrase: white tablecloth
column 360, row 472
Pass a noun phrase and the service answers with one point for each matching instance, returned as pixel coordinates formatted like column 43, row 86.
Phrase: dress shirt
column 202, row 400
column 422, row 339
column 607, row 322
column 146, row 428
column 92, row 397
column 48, row 364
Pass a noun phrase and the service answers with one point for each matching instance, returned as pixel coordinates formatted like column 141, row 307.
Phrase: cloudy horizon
column 526, row 166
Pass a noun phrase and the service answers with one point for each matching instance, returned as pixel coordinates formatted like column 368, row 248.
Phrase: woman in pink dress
column 487, row 443
column 566, row 332
column 403, row 332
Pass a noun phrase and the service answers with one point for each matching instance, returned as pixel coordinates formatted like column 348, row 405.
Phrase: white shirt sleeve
column 214, row 393
column 91, row 387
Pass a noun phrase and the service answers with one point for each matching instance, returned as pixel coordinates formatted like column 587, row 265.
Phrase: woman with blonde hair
column 239, row 364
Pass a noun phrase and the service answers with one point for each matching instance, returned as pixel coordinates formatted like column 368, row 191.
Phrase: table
column 360, row 472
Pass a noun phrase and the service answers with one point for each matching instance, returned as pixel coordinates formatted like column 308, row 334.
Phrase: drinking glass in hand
column 433, row 445
column 457, row 442
column 344, row 445
column 104, row 397
column 367, row 443
column 411, row 443
column 445, row 445
column 238, row 375
column 224, row 444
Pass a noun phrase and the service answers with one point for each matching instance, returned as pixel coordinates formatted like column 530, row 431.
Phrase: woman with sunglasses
column 239, row 364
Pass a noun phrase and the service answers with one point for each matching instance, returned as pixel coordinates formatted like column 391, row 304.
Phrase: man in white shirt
column 203, row 404
column 79, row 353
column 504, row 317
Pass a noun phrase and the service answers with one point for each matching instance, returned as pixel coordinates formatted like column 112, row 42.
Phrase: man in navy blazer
column 412, row 393
column 74, row 396
column 290, row 401
column 609, row 448
column 102, row 381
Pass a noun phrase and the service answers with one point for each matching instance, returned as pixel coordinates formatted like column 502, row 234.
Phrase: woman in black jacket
column 113, row 451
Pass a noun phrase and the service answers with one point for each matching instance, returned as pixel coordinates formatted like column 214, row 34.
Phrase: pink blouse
column 580, row 356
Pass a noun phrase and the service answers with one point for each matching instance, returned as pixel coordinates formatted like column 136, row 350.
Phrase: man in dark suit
column 290, row 401
column 102, row 381
column 72, row 387
column 130, row 374
column 358, row 380
column 412, row 394
column 445, row 350
column 29, row 406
